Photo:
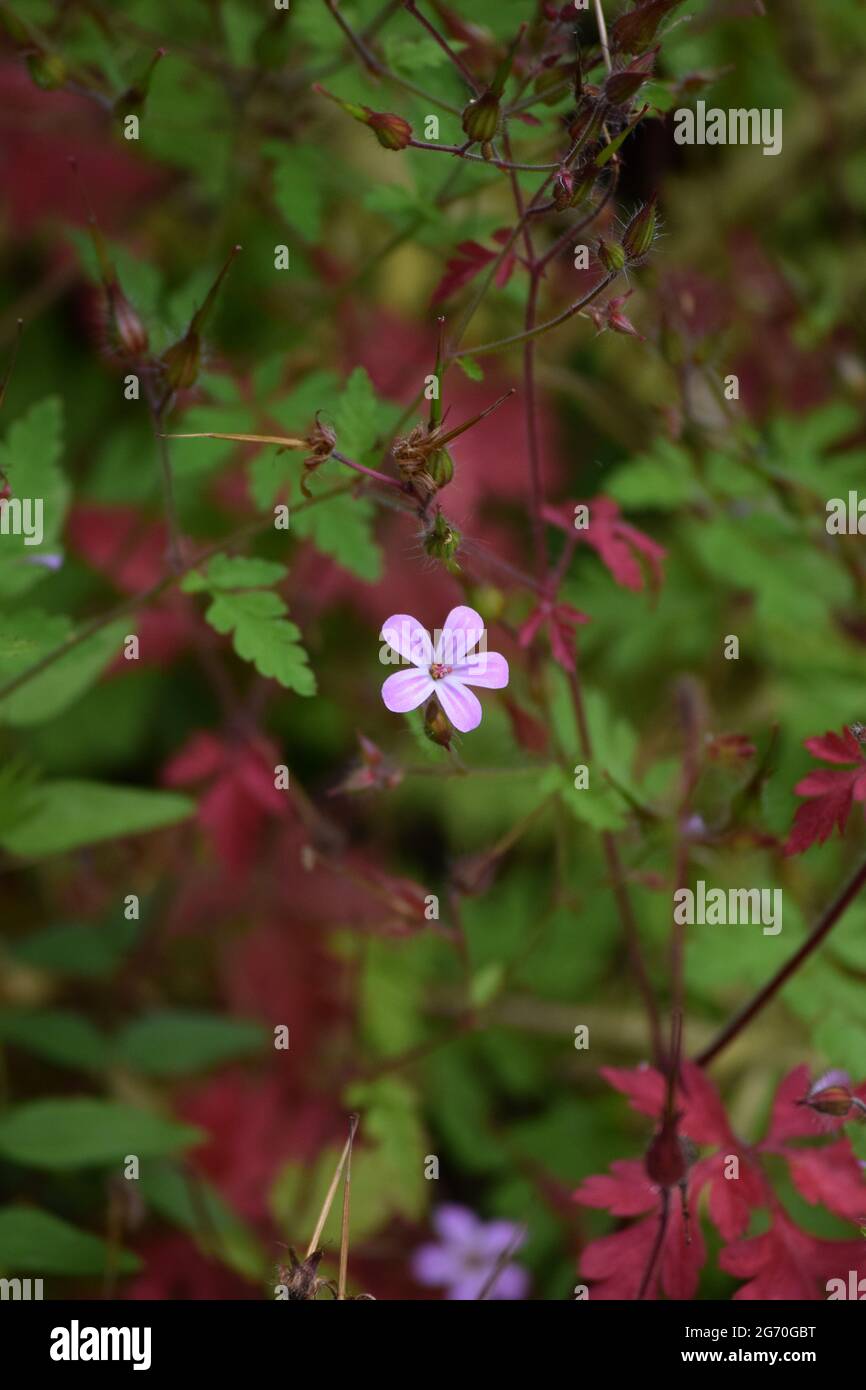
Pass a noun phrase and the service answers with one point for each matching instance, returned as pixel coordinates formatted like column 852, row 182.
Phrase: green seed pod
column 481, row 118
column 638, row 237
column 440, row 466
column 611, row 255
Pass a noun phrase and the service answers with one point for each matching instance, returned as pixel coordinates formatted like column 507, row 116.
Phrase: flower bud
column 611, row 255
column 481, row 117
column 440, row 466
column 638, row 237
column 442, row 542
column 563, row 188
column 392, row 132
column 666, row 1160
column 436, row 725
column 128, row 328
column 182, row 360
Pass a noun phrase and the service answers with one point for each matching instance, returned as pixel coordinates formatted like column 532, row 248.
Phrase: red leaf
column 562, row 622
column 618, row 1262
column 617, row 543
column 786, row 1262
column 830, row 1176
column 469, row 260
column 832, row 792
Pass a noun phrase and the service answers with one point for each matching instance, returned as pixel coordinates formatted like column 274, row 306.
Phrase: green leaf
column 357, row 416
column 660, row 481
column 387, row 1171
column 174, row 1042
column 262, row 634
column 60, row 1035
column 17, row 794
column 470, row 368
column 36, row 1240
column 229, row 572
column 342, row 528
column 486, row 983
column 204, row 1215
column 29, row 460
column 29, row 635
column 298, row 186
column 68, row 814
column 81, row 1133
column 82, row 952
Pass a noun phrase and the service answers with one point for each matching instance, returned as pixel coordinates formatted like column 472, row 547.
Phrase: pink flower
column 467, row 1255
column 444, row 668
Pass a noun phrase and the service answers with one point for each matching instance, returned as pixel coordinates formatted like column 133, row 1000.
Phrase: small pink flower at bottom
column 466, row 1256
column 444, row 670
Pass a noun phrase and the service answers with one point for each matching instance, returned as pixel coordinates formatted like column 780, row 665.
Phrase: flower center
column 437, row 671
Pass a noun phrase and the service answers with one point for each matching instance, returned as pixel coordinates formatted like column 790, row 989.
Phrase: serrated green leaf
column 262, row 634
column 29, row 458
column 230, row 572
column 357, row 416
column 387, row 1172
column 342, row 528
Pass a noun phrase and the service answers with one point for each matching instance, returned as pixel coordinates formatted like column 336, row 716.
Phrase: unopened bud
column 442, row 542
column 481, row 117
column 436, row 725
column 638, row 237
column 440, row 466
column 392, row 132
column 611, row 255
column 128, row 328
column 182, row 360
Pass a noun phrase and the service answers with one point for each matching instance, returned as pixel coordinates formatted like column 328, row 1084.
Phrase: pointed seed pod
column 638, row 237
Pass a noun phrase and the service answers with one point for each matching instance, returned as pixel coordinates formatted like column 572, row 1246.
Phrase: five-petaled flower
column 466, row 1257
column 445, row 669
